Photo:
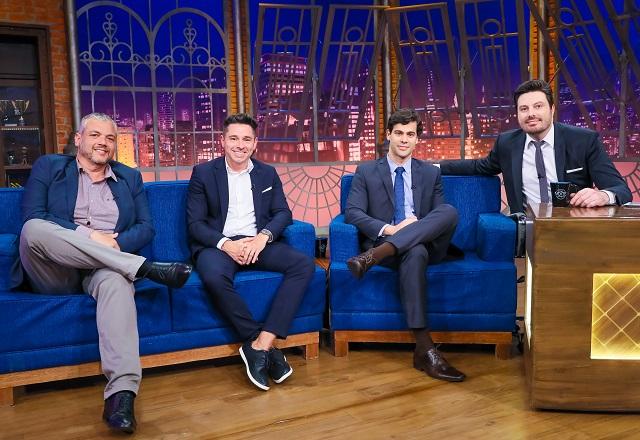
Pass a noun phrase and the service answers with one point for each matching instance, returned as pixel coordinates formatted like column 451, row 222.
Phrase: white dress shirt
column 530, row 184
column 241, row 215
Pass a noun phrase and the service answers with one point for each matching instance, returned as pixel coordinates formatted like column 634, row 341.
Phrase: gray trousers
column 59, row 260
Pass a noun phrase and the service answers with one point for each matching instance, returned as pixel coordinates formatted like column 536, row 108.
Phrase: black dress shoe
column 170, row 274
column 279, row 368
column 257, row 363
column 359, row 264
column 118, row 412
column 436, row 366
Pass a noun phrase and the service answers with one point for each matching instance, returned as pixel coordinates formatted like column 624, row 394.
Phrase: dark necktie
column 398, row 189
column 542, row 172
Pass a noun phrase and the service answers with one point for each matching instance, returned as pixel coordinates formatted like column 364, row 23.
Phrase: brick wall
column 48, row 13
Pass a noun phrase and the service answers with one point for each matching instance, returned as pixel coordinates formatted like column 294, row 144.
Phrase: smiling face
column 239, row 142
column 402, row 141
column 96, row 144
column 535, row 115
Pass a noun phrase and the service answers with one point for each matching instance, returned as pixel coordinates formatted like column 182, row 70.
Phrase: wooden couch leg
column 339, row 348
column 7, row 396
column 503, row 351
column 311, row 351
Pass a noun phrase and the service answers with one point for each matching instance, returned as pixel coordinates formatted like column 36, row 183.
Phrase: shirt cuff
column 83, row 230
column 612, row 196
column 381, row 233
column 222, row 241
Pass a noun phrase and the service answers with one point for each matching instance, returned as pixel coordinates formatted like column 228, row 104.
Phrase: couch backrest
column 168, row 205
column 471, row 195
column 10, row 215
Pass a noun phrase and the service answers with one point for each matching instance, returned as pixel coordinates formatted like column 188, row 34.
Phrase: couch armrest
column 495, row 237
column 301, row 236
column 343, row 240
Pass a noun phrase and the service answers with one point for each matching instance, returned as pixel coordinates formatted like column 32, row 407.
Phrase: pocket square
column 573, row 170
column 268, row 189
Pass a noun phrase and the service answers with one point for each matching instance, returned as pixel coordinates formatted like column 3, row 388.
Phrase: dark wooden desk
column 582, row 311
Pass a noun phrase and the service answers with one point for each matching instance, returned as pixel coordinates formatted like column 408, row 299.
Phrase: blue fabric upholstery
column 40, row 331
column 477, row 293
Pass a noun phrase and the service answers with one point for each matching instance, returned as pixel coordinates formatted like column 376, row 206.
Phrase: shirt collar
column 108, row 172
column 246, row 170
column 393, row 165
column 548, row 138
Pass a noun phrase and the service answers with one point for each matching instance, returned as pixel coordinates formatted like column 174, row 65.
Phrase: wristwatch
column 268, row 234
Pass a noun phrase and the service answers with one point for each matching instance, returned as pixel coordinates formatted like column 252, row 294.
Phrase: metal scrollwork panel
column 425, row 51
column 596, row 56
column 352, row 41
column 283, row 68
column 493, row 43
column 161, row 71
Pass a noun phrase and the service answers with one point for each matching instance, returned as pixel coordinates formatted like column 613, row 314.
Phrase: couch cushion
column 10, row 214
column 8, row 255
column 31, row 321
column 168, row 206
column 193, row 309
column 479, row 295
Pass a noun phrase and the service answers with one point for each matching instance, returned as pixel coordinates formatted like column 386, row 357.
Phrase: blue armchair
column 472, row 300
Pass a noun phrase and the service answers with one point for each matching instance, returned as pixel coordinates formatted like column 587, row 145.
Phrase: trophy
column 6, row 108
column 21, row 106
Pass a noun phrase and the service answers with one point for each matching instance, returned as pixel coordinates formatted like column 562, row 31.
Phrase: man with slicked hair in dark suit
column 541, row 152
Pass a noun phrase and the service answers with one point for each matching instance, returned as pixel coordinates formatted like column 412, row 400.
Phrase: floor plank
column 371, row 394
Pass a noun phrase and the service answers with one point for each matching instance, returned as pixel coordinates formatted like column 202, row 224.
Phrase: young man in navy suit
column 397, row 204
column 236, row 213
column 541, row 152
column 86, row 218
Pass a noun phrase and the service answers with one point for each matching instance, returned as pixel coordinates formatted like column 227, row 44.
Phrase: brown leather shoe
column 359, row 264
column 436, row 366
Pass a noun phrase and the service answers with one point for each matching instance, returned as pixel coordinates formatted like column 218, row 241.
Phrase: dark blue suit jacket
column 52, row 189
column 576, row 149
column 208, row 202
column 371, row 201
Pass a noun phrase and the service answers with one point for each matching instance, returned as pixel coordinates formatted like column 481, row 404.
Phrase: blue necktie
column 398, row 189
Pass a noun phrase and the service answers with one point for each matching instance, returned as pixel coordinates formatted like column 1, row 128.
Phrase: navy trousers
column 217, row 271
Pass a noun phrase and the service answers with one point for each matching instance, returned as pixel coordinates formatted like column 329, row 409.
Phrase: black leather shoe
column 170, row 274
column 279, row 368
column 436, row 366
column 359, row 264
column 118, row 412
column 257, row 363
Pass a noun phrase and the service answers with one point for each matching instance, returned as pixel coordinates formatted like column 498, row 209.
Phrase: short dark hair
column 240, row 118
column 404, row 116
column 533, row 85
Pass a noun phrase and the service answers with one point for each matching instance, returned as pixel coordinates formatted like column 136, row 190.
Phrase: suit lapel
column 516, row 165
column 416, row 185
column 72, row 187
column 559, row 151
column 222, row 184
column 385, row 176
column 256, row 175
column 118, row 192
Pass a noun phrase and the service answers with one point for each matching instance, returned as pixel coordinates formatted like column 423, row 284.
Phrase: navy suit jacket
column 52, row 189
column 371, row 200
column 208, row 203
column 577, row 150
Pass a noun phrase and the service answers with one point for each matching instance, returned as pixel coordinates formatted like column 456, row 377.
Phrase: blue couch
column 472, row 300
column 51, row 337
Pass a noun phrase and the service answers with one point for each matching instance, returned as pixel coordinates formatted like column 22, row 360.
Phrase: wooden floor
column 371, row 394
